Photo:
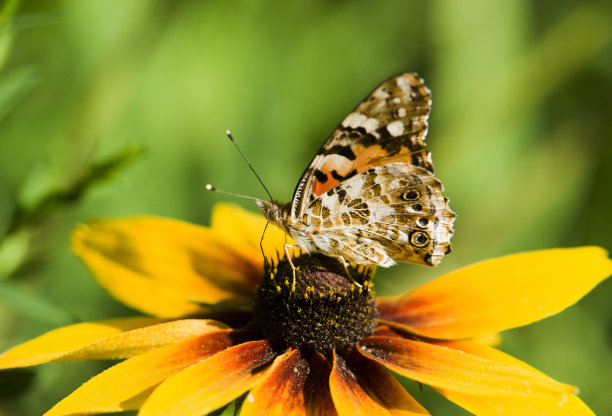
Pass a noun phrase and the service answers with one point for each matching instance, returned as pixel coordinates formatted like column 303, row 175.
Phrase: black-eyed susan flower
column 225, row 325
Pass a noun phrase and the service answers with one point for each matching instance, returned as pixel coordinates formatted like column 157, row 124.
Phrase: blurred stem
column 15, row 246
column 26, row 217
column 33, row 306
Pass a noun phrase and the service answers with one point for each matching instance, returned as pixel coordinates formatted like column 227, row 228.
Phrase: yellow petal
column 569, row 405
column 56, row 344
column 247, row 229
column 123, row 386
column 211, row 383
column 455, row 370
column 139, row 341
column 499, row 294
column 361, row 387
column 166, row 267
column 512, row 405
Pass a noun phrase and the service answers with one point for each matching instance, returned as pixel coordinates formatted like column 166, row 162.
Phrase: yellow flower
column 319, row 349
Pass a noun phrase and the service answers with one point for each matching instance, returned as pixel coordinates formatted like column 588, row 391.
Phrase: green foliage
column 520, row 135
column 26, row 216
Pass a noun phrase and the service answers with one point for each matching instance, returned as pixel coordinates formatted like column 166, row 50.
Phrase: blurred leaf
column 27, row 216
column 573, row 42
column 6, row 31
column 20, row 81
column 35, row 306
column 15, row 245
column 13, row 252
column 8, row 10
column 6, row 208
column 14, row 86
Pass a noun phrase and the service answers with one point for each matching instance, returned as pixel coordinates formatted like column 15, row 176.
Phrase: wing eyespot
column 419, row 238
column 411, row 195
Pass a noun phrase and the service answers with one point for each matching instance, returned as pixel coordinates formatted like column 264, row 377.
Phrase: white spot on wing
column 404, row 84
column 396, row 128
column 397, row 100
column 354, row 120
column 370, row 125
column 401, row 112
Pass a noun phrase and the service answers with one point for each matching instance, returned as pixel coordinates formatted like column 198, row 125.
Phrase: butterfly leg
column 348, row 274
column 287, row 247
column 261, row 243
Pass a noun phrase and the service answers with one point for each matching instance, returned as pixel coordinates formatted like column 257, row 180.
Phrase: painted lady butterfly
column 369, row 196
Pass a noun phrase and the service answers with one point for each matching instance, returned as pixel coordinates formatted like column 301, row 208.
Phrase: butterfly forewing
column 391, row 122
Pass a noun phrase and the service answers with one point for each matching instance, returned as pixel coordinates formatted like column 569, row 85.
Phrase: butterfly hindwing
column 391, row 212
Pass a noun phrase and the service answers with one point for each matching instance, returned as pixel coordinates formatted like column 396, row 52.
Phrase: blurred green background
column 521, row 135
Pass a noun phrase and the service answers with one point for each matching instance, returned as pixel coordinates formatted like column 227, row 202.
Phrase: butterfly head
column 275, row 212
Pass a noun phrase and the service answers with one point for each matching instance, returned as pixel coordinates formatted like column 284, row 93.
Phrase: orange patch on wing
column 319, row 187
column 367, row 157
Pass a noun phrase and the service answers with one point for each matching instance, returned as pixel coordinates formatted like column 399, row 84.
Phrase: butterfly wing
column 391, row 212
column 390, row 124
column 369, row 194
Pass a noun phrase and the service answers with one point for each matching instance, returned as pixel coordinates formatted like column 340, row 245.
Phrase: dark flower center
column 324, row 310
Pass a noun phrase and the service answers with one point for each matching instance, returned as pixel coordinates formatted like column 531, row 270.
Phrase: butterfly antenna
column 209, row 187
column 229, row 135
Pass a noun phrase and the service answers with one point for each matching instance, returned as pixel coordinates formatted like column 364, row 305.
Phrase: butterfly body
column 369, row 195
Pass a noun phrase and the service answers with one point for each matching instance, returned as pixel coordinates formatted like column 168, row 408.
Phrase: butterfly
column 369, row 196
